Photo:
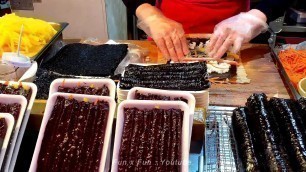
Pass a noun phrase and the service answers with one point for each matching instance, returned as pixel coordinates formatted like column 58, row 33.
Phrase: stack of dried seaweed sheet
column 79, row 61
column 87, row 60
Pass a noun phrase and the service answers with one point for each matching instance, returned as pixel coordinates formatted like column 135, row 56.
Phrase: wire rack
column 220, row 154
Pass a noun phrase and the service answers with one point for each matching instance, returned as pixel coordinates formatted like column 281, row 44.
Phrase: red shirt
column 201, row 16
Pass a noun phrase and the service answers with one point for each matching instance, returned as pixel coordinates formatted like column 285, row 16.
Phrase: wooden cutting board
column 257, row 62
column 263, row 73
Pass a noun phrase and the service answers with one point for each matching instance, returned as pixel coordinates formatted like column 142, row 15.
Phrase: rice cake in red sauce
column 149, row 96
column 18, row 90
column 151, row 140
column 3, row 128
column 13, row 109
column 74, row 136
column 101, row 91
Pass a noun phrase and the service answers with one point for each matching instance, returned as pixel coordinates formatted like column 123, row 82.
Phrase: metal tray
column 59, row 27
column 275, row 28
column 289, row 85
column 220, row 150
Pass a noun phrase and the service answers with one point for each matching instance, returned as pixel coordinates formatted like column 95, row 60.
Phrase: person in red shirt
column 230, row 21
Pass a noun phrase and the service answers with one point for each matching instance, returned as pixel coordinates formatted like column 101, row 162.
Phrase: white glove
column 231, row 33
column 167, row 34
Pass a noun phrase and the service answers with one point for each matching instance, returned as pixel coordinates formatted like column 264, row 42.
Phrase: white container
column 201, row 97
column 10, row 121
column 302, row 87
column 104, row 166
column 109, row 83
column 140, row 104
column 172, row 94
column 20, row 62
column 7, row 72
column 26, row 116
column 10, row 99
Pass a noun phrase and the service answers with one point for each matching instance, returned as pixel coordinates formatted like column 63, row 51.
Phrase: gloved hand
column 231, row 33
column 167, row 34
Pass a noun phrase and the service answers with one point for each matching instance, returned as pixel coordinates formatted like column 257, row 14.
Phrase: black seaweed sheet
column 43, row 81
column 87, row 60
column 81, row 61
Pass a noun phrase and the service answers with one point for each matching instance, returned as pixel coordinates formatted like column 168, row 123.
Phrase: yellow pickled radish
column 37, row 33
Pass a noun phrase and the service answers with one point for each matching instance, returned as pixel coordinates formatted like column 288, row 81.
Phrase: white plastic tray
column 84, row 82
column 140, row 104
column 172, row 94
column 201, row 97
column 33, row 87
column 10, row 99
column 107, row 141
column 10, row 121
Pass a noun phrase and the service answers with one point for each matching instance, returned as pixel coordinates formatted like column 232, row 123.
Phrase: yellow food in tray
column 36, row 34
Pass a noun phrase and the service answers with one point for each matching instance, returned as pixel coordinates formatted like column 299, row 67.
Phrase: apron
column 201, row 16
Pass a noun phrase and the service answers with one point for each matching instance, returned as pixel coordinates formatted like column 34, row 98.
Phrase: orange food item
column 294, row 62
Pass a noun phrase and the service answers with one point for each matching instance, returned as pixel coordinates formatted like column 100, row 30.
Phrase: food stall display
column 157, row 105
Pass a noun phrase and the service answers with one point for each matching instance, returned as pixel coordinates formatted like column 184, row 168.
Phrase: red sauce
column 13, row 109
column 3, row 128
